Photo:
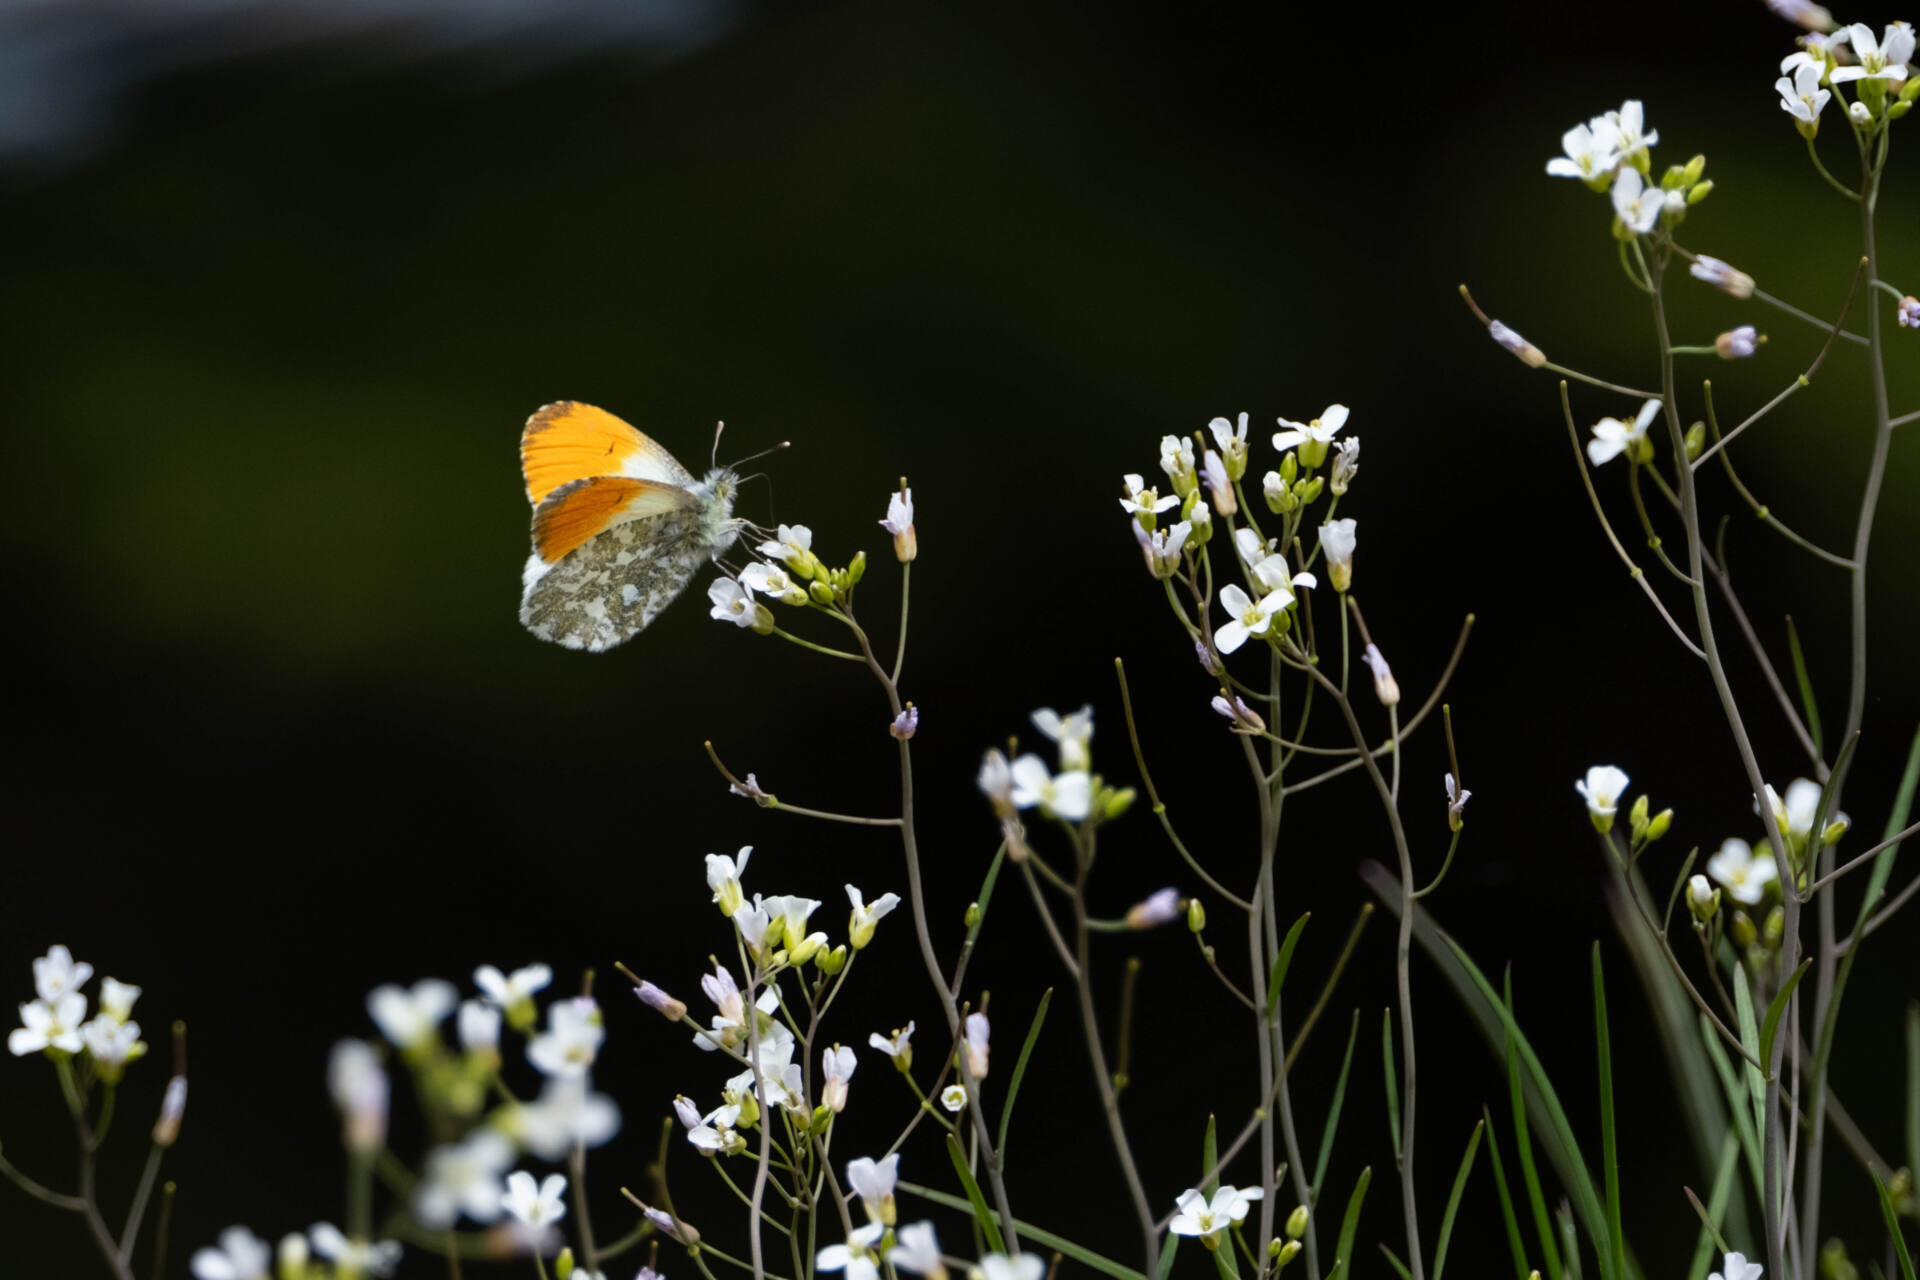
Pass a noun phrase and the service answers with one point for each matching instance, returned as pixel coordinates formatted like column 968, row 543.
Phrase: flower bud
column 563, row 1265
column 1288, row 1252
column 906, row 724
column 1279, row 491
column 1703, row 900
column 1154, row 910
column 290, row 1261
column 1297, row 1222
column 1738, row 344
column 1834, row 830
column 1742, row 931
column 1775, row 929
column 1910, row 90
column 1310, row 491
column 821, row 592
column 1113, row 802
column 820, row 1119
column 1274, row 1246
column 831, row 962
column 1385, row 687
column 1196, row 915
column 972, row 916
column 173, row 1105
column 1662, row 822
column 1637, row 819
column 1696, row 440
column 1729, row 281
column 1528, row 354
column 1700, row 192
column 1858, row 113
column 1908, row 313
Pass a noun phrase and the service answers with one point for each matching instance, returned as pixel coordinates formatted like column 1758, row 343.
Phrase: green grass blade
column 1333, row 1111
column 1806, row 686
column 1393, row 1260
column 1913, row 1087
column 1393, row 1087
column 1020, row 1071
column 1778, row 1007
column 1536, row 1198
column 1225, row 1262
column 981, row 1214
column 1209, row 1157
column 1609, row 1146
column 1453, row 1199
column 1569, row 1240
column 1896, row 820
column 1711, row 1213
column 1736, row 1091
column 1750, row 1041
column 1515, row 1244
column 1166, row 1256
column 1067, row 1248
column 1343, row 1257
column 1893, row 1228
column 1282, row 961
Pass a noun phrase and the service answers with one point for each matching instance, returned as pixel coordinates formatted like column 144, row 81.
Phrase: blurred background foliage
column 285, row 281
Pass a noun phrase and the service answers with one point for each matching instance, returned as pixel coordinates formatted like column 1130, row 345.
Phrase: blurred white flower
column 1908, row 312
column 536, row 1206
column 866, row 915
column 411, row 1018
column 46, row 1025
column 904, row 725
column 1637, row 204
column 1736, row 1267
column 1529, row 355
column 1602, row 788
column 1813, row 17
column 572, row 1039
column 350, row 1256
column 856, row 1257
column 1631, row 136
column 1156, row 909
column 916, row 1250
column 1745, row 876
column 1738, row 343
column 1068, row 796
column 515, row 991
column 359, row 1089
column 565, row 1115
column 1385, row 687
column 998, row 1266
column 1612, row 437
column 1727, row 279
column 111, row 1045
column 1796, row 813
column 116, row 999
column 241, row 1255
column 995, row 781
column 1073, row 732
column 873, row 1181
column 978, row 1032
column 837, row 1065
column 57, row 973
column 723, row 877
column 479, row 1028
column 1198, row 1217
column 463, row 1177
column 1883, row 59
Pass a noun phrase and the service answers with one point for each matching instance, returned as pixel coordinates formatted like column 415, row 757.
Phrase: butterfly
column 619, row 526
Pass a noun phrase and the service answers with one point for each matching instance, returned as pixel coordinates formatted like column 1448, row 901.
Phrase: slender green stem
column 132, row 1229
column 1860, row 859
column 38, row 1192
column 1758, row 507
column 578, row 1165
column 906, row 593
column 1813, row 154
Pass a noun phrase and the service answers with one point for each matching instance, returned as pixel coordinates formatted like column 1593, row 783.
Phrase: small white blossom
column 873, row 1181
column 1703, row 900
column 1346, row 465
column 866, row 915
column 1736, row 1267
column 111, row 1045
column 241, row 1256
column 1198, row 1217
column 1337, row 540
column 464, row 1177
column 1246, row 616
column 1145, row 502
column 995, row 781
column 1219, row 484
column 1858, row 113
column 791, row 913
column 733, row 603
column 353, row 1256
column 1592, row 151
column 116, row 999
column 898, row 1046
column 1074, row 733
column 46, row 1026
column 954, row 1098
column 411, row 1018
column 836, row 1067
column 723, row 877
column 899, row 523
column 1176, row 459
column 565, row 1115
column 1162, row 548
column 1232, row 440
column 1631, row 136
column 1884, row 59
column 1385, row 687
column 536, row 1206
column 792, row 545
column 1637, row 204
column 1612, row 437
column 359, row 1089
column 1068, row 796
column 1796, row 813
column 1813, row 17
column 1745, row 875
column 998, row 1266
column 1319, row 431
column 918, row 1251
column 479, row 1028
column 856, row 1257
column 1727, row 279
column 57, row 973
column 773, row 582
column 1240, row 717
column 572, row 1039
column 730, row 1024
column 1602, row 788
column 1802, row 97
column 1737, row 344
column 514, row 992
column 1457, row 798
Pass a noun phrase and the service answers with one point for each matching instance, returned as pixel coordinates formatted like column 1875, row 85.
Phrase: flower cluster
column 55, row 1021
column 1877, row 66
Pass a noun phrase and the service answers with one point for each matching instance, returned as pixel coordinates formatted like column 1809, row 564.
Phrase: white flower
column 723, row 877
column 1638, row 205
column 1612, row 437
column 293, row 1254
column 1247, row 617
column 1385, row 687
column 899, row 523
column 1156, row 909
column 998, row 1266
column 1176, row 459
column 1816, row 50
column 712, row 1133
column 111, row 1044
column 730, row 1024
column 772, row 581
column 572, row 1039
column 792, row 545
column 752, row 921
column 566, row 1114
column 1883, row 59
column 1074, row 733
column 954, row 1098
column 116, row 999
column 917, row 1250
column 836, row 1066
column 1736, row 1267
column 1592, row 151
column 1796, row 814
column 866, row 915
column 1161, row 549
column 1219, row 484
column 514, row 992
column 1529, row 355
column 995, row 781
column 1745, row 876
column 1738, row 344
column 1813, row 17
column 359, row 1089
column 1196, row 1217
column 791, row 913
column 1268, row 570
column 535, row 1206
column 1908, row 312
column 1858, row 113
column 1241, row 717
column 241, row 1256
column 856, row 1256
column 1144, row 502
column 351, row 1256
column 978, row 1031
column 1457, row 799
column 1346, row 465
column 1721, row 276
column 732, row 603
column 1232, row 440
column 873, row 1181
column 463, row 1177
column 1069, row 796
column 1703, row 900
column 1320, row 431
column 1802, row 97
column 1602, row 788
column 1337, row 539
column 410, row 1018
column 46, row 1025
column 57, row 973
column 1631, row 136
column 479, row 1028
column 898, row 1046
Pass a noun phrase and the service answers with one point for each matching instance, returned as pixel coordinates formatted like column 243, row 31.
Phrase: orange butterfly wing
column 568, row 441
column 581, row 509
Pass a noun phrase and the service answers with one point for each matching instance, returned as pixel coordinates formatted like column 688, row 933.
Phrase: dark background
column 281, row 292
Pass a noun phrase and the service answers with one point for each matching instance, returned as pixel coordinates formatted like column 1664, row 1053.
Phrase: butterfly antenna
column 741, row 462
column 713, row 459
